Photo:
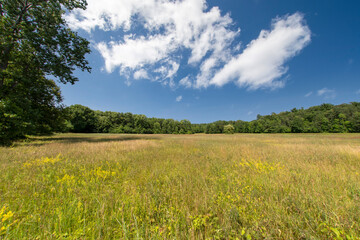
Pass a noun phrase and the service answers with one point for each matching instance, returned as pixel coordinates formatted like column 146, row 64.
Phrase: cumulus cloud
column 326, row 93
column 141, row 74
column 155, row 32
column 151, row 38
column 179, row 98
column 261, row 64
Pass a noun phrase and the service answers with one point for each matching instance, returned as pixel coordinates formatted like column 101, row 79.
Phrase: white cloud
column 141, row 74
column 308, row 94
column 326, row 93
column 134, row 53
column 186, row 82
column 358, row 91
column 168, row 27
column 179, row 98
column 261, row 64
column 154, row 35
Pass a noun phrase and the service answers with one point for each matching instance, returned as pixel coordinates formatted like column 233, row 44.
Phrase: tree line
column 325, row 118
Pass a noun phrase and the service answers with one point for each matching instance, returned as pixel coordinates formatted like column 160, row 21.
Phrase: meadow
column 241, row 186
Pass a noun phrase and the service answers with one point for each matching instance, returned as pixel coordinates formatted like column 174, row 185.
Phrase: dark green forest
column 326, row 118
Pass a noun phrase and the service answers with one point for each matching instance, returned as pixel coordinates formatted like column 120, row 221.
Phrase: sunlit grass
column 100, row 186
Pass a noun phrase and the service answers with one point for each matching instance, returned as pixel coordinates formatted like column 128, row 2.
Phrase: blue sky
column 217, row 59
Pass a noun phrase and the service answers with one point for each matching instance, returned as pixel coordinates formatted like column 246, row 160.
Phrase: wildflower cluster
column 6, row 220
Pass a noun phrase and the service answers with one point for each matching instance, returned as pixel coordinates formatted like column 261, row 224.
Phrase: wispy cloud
column 186, row 82
column 156, row 33
column 179, row 98
column 326, row 93
column 308, row 94
column 358, row 91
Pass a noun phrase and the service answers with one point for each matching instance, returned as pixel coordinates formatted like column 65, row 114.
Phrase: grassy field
column 84, row 186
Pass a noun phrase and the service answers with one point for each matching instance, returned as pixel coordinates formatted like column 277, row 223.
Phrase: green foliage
column 35, row 43
column 229, row 129
column 317, row 119
column 11, row 125
column 81, row 118
column 157, row 128
column 39, row 112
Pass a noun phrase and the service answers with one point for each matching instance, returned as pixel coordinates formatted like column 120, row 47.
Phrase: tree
column 157, row 128
column 36, row 43
column 356, row 122
column 33, row 108
column 82, row 118
column 229, row 129
column 297, row 125
column 185, row 126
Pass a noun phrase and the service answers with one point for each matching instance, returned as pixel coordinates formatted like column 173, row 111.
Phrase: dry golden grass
column 99, row 186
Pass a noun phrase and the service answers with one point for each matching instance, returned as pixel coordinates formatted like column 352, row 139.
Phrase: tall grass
column 304, row 186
